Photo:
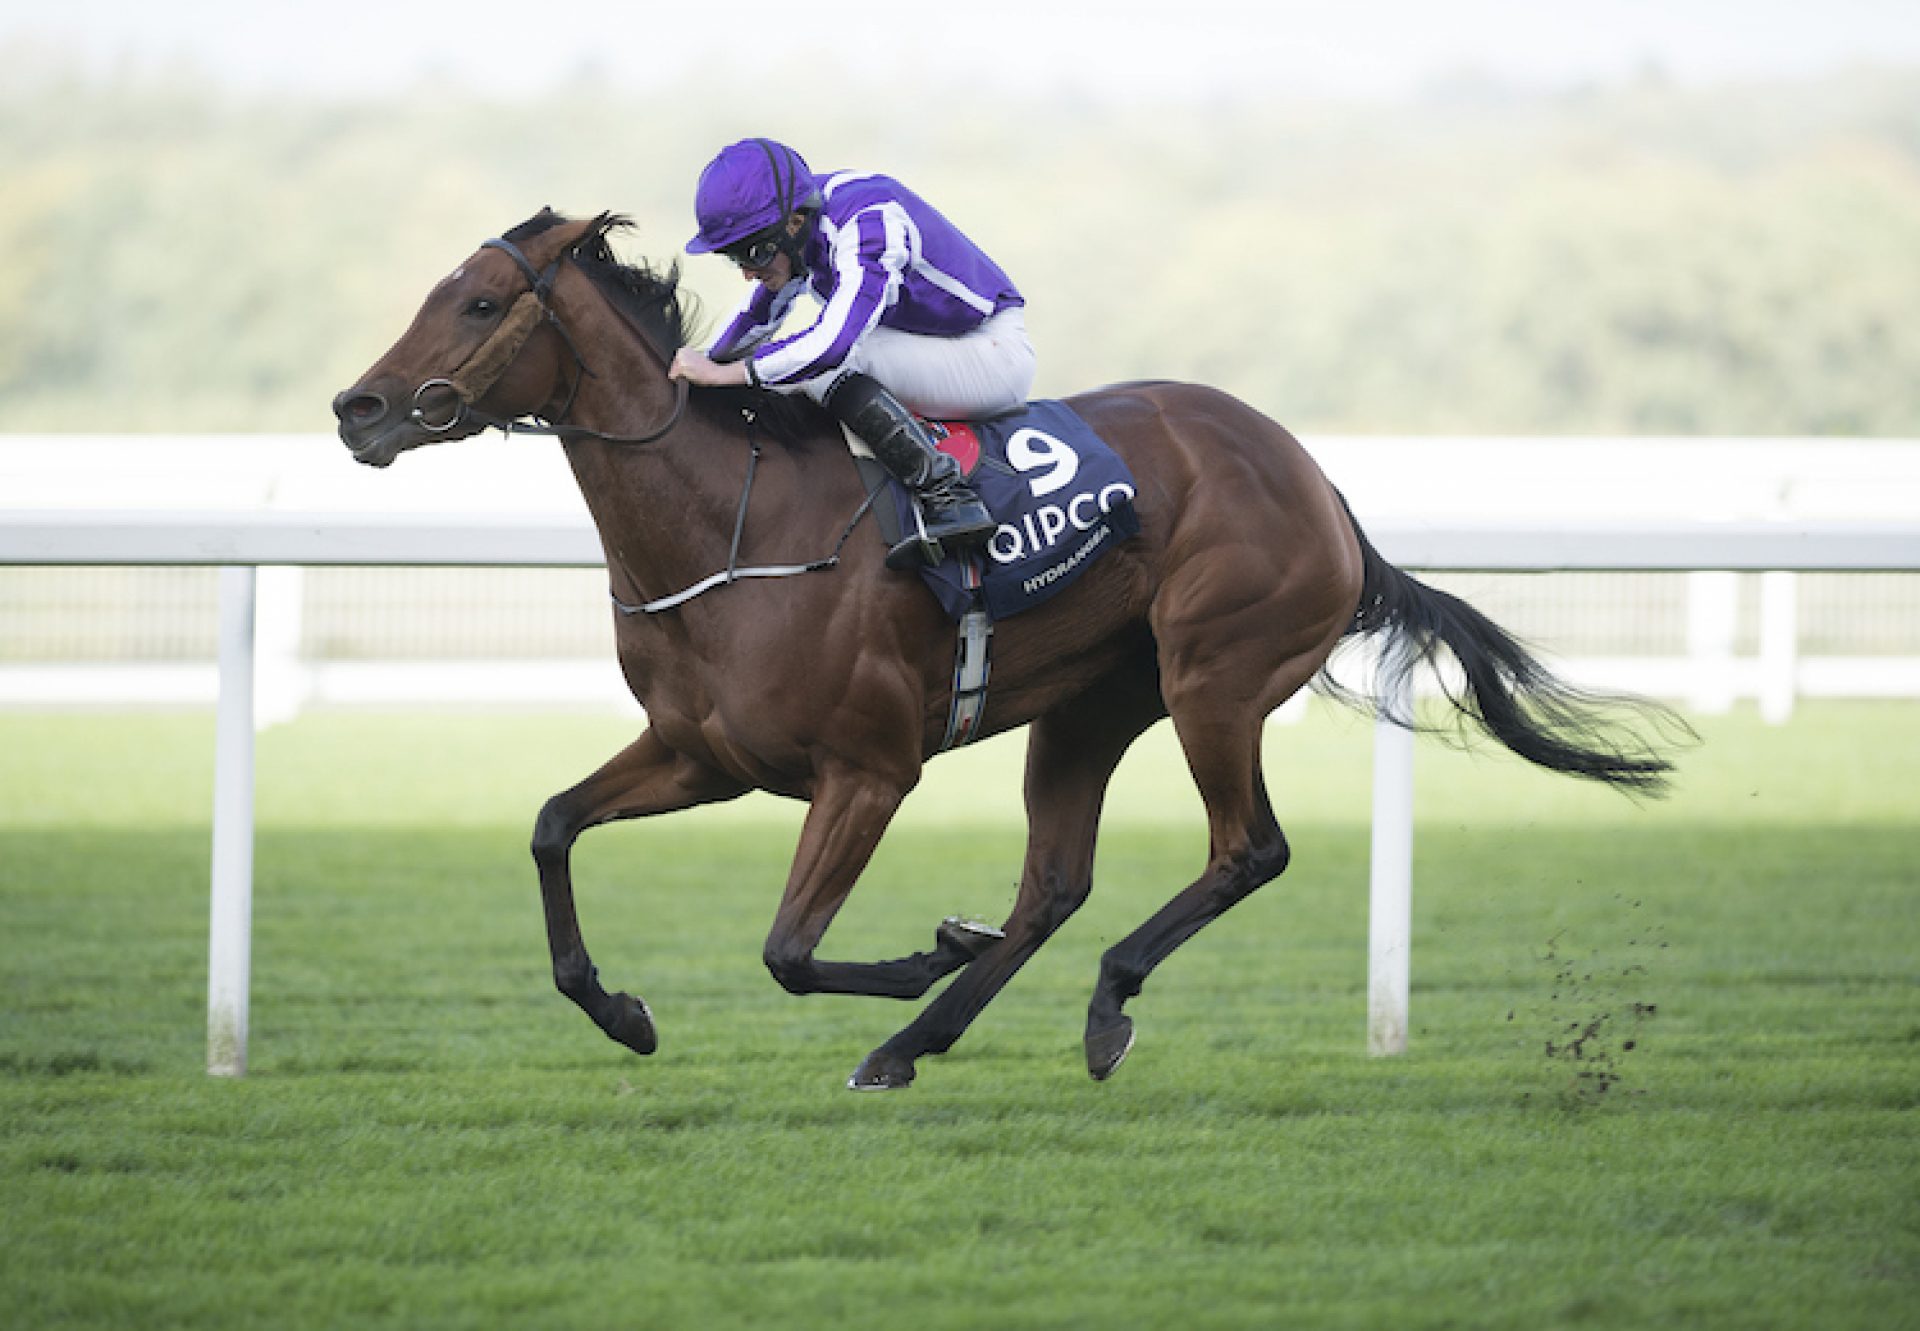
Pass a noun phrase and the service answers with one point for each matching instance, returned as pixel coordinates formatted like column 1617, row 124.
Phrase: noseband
column 483, row 369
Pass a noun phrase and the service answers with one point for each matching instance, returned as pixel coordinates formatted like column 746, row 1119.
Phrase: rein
column 482, row 370
column 733, row 572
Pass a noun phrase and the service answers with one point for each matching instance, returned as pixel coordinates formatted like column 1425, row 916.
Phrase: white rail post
column 280, row 677
column 1390, row 894
column 1713, row 622
column 1779, row 645
column 230, row 932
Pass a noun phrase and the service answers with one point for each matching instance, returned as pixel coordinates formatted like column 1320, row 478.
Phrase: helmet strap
column 794, row 244
column 785, row 191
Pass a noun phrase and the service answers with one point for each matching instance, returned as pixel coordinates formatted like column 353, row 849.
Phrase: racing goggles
column 758, row 251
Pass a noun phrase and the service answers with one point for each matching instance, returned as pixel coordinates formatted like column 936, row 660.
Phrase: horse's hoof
column 881, row 1071
column 629, row 1022
column 1107, row 1049
column 969, row 937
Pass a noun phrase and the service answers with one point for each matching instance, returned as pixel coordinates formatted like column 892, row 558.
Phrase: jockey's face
column 773, row 275
column 777, row 271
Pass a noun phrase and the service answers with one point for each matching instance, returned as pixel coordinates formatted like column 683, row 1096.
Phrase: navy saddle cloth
column 1062, row 498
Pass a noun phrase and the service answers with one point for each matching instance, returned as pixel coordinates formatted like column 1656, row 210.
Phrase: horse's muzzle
column 369, row 426
column 360, row 409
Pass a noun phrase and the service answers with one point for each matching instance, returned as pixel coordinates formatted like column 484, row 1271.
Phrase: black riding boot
column 955, row 517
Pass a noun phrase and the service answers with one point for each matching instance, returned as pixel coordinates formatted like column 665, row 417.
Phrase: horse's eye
column 482, row 308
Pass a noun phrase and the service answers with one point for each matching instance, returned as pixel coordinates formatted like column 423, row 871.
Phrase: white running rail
column 240, row 541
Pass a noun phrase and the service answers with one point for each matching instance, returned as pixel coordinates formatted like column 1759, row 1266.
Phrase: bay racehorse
column 833, row 687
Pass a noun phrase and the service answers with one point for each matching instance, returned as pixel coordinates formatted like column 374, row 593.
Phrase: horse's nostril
column 360, row 408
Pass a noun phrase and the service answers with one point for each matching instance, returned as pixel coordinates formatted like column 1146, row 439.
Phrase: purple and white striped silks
column 878, row 256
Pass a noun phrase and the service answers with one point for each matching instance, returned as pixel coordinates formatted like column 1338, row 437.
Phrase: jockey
column 909, row 306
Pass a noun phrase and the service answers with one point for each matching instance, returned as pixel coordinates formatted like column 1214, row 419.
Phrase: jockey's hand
column 696, row 367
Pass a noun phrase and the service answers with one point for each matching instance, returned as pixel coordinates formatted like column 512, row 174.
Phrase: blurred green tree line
column 1632, row 259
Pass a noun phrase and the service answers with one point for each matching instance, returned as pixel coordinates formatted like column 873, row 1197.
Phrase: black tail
column 1504, row 690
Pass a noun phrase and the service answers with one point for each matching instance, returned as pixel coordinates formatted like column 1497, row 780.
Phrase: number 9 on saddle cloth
column 1062, row 498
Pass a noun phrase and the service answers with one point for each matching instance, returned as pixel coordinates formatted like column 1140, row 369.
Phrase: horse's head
column 483, row 349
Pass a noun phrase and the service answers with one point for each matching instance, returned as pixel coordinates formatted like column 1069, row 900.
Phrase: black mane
column 668, row 317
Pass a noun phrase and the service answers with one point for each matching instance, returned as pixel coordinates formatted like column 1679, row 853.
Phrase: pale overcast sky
column 1124, row 50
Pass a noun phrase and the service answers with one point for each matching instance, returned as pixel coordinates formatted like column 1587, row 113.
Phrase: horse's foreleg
column 1071, row 755
column 644, row 778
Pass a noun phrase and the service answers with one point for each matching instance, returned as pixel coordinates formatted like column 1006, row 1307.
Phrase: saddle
column 1061, row 495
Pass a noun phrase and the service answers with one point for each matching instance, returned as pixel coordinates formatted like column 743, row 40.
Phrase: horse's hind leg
column 1071, row 754
column 644, row 778
column 1220, row 733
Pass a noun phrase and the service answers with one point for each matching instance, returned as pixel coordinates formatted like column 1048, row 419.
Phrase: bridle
column 483, row 369
column 490, row 360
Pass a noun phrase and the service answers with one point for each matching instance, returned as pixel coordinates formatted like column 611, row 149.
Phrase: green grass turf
column 430, row 1136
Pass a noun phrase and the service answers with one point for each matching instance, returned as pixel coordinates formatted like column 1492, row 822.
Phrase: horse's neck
column 666, row 510
column 655, row 509
column 663, row 511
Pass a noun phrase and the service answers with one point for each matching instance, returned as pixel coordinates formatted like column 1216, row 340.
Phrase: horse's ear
column 544, row 220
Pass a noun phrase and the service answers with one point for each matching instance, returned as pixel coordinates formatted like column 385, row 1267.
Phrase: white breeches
column 983, row 373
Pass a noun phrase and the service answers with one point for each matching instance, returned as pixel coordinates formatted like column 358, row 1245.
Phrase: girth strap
column 970, row 669
column 971, row 665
